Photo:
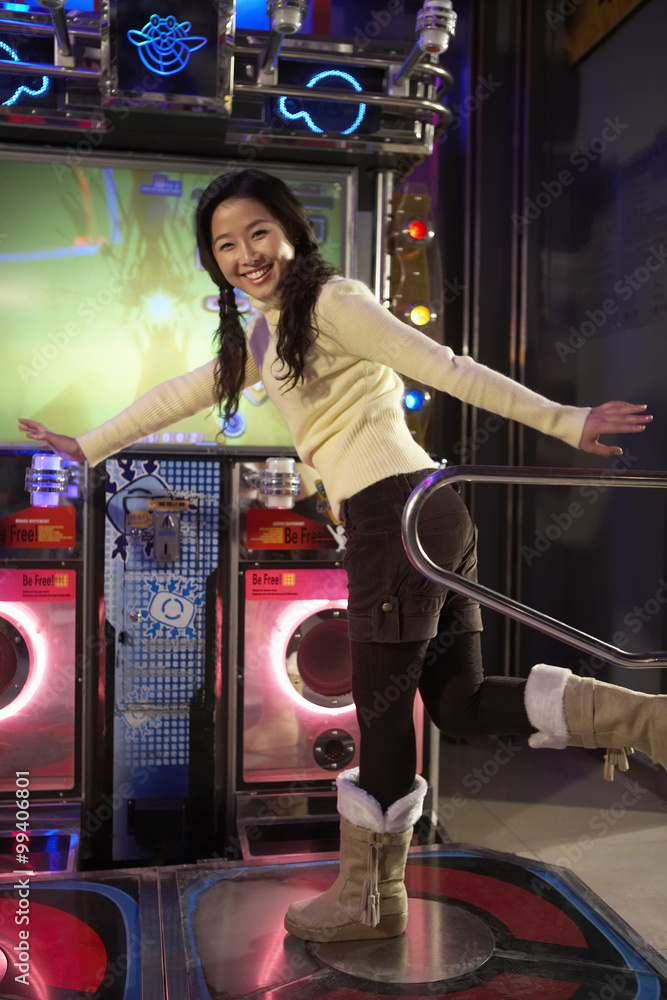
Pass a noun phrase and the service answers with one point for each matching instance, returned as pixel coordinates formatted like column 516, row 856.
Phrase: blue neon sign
column 14, row 56
column 314, row 80
column 164, row 45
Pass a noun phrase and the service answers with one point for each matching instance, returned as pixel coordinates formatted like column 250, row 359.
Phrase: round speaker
column 8, row 662
column 324, row 660
column 14, row 662
column 333, row 749
column 318, row 659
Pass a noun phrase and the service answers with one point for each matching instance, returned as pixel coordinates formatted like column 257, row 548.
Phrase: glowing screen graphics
column 164, row 45
column 102, row 296
column 329, row 117
column 167, row 46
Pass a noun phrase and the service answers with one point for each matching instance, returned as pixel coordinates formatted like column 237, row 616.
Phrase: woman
column 326, row 351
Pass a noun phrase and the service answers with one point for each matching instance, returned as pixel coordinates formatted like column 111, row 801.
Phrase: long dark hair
column 308, row 272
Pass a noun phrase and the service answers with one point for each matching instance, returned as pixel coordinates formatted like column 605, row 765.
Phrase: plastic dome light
column 420, row 315
column 46, row 470
column 418, row 229
column 414, row 400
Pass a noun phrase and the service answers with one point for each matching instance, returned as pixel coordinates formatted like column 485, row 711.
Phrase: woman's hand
column 612, row 418
column 66, row 447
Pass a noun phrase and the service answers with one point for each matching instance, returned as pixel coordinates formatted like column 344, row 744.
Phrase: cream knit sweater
column 346, row 418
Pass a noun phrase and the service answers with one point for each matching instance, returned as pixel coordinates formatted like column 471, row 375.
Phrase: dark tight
column 457, row 696
column 384, row 681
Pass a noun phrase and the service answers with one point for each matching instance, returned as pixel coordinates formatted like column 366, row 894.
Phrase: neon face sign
column 307, row 117
column 164, row 45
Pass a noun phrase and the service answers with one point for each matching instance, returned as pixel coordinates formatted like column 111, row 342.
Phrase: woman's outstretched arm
column 365, row 328
column 161, row 406
column 614, row 417
column 66, row 447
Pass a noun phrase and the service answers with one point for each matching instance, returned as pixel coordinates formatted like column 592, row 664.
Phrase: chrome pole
column 59, row 24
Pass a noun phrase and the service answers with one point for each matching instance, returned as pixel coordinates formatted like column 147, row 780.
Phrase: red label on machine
column 278, row 529
column 39, row 528
column 278, row 584
column 37, row 584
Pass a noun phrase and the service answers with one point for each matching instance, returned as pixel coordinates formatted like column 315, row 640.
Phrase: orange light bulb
column 418, row 229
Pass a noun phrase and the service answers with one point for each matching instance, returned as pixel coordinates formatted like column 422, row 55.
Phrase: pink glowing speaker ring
column 287, row 623
column 29, row 629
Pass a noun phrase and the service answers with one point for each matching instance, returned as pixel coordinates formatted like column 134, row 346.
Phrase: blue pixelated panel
column 158, row 610
column 151, row 741
column 150, row 762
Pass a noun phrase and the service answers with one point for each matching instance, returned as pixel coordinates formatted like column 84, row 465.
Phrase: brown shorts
column 389, row 600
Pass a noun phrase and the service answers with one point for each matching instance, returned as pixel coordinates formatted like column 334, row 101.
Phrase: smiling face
column 250, row 247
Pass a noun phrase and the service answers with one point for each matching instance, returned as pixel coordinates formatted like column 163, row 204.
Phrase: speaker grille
column 8, row 662
column 324, row 658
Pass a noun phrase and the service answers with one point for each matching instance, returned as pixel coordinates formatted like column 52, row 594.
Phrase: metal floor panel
column 482, row 926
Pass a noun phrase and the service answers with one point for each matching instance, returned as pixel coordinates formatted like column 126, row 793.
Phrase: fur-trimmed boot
column 569, row 710
column 368, row 900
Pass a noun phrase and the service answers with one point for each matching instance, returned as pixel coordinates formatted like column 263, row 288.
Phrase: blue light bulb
column 414, row 400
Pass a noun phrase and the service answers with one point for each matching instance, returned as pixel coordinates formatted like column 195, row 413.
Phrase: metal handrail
column 501, row 602
column 351, row 59
column 388, row 103
column 46, row 69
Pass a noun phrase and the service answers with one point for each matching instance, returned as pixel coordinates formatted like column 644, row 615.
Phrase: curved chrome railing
column 501, row 602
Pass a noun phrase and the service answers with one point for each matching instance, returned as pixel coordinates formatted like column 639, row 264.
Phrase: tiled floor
column 554, row 806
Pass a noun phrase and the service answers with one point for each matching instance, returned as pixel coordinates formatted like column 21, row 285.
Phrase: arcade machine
column 174, row 671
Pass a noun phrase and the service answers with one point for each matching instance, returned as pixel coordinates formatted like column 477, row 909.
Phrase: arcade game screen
column 102, row 295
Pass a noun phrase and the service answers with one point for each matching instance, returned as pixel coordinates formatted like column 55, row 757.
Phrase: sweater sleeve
column 353, row 317
column 161, row 406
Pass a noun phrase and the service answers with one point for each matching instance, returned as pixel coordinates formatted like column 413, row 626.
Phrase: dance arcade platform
column 483, row 926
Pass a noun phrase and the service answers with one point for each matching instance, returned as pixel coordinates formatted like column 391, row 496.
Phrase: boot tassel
column 370, row 893
column 616, row 758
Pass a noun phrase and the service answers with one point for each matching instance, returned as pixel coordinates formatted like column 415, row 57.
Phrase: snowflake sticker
column 172, row 608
